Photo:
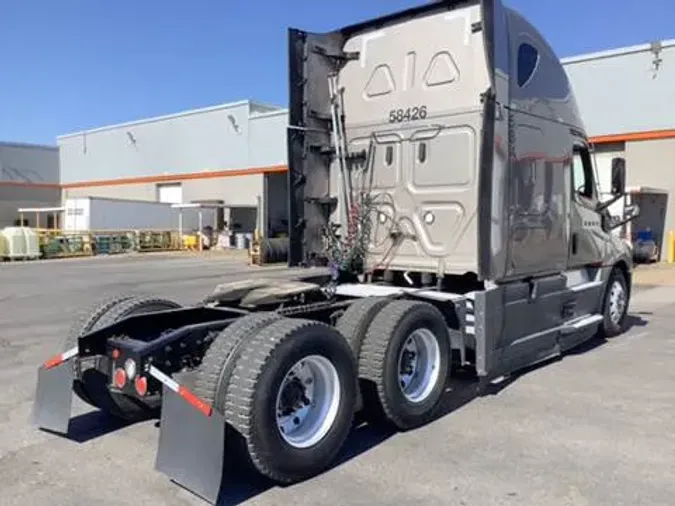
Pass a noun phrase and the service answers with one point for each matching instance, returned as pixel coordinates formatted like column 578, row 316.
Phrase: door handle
column 575, row 241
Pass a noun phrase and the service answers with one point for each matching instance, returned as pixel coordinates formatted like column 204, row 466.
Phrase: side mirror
column 631, row 212
column 618, row 176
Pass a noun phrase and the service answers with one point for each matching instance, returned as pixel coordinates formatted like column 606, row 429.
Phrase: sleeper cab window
column 528, row 57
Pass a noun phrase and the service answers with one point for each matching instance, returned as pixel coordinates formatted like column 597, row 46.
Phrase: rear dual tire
column 92, row 385
column 287, row 388
column 404, row 363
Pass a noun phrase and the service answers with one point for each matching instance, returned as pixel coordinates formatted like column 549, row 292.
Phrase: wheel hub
column 408, row 366
column 307, row 401
column 617, row 302
column 418, row 365
column 294, row 397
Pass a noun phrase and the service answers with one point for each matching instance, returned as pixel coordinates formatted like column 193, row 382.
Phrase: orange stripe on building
column 634, row 136
column 170, row 178
column 191, row 176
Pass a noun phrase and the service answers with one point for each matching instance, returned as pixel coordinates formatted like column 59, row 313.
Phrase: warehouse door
column 170, row 193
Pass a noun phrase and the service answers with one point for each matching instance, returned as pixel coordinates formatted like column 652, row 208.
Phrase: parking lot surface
column 594, row 428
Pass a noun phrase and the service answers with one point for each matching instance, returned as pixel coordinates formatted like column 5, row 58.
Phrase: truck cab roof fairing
column 397, row 17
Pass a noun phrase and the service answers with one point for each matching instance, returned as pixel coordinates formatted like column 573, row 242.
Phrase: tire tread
column 122, row 310
column 95, row 390
column 239, row 412
column 354, row 323
column 86, row 322
column 373, row 356
column 210, row 385
column 607, row 329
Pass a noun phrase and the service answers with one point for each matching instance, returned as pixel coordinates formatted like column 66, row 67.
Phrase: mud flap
column 54, row 397
column 191, row 443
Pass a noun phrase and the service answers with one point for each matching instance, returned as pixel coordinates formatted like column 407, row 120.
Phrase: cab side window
column 582, row 173
column 528, row 58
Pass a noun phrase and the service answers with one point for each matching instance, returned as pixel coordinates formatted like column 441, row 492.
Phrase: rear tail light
column 141, row 385
column 120, row 378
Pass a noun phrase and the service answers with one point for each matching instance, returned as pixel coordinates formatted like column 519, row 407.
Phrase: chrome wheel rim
column 617, row 302
column 419, row 365
column 307, row 401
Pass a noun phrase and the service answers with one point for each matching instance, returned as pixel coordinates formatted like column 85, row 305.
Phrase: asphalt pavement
column 594, row 428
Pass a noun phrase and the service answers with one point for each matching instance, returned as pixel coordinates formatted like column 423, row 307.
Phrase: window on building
column 171, row 193
column 528, row 58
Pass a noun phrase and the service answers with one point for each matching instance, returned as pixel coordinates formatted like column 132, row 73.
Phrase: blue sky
column 69, row 65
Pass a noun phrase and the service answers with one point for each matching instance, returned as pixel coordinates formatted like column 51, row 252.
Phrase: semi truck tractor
column 444, row 213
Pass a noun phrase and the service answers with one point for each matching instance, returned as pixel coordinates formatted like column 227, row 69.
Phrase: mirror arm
column 604, row 205
column 622, row 223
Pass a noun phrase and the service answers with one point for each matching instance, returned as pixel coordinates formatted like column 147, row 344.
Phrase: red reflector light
column 116, row 354
column 120, row 378
column 141, row 385
column 53, row 362
column 195, row 401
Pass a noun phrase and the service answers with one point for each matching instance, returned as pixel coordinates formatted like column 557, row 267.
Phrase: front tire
column 615, row 305
column 292, row 397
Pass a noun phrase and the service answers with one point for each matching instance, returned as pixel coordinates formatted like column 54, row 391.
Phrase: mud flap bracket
column 191, row 445
column 54, row 397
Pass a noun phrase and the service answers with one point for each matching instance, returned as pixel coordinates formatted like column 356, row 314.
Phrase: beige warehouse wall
column 145, row 191
column 235, row 190
column 202, row 139
column 652, row 163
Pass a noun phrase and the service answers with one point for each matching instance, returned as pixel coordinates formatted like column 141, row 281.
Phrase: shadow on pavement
column 92, row 425
column 243, row 483
column 632, row 321
column 636, row 320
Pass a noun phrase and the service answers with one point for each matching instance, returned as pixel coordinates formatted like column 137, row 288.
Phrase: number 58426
column 409, row 114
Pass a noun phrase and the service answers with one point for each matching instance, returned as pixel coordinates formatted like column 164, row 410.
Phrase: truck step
column 470, row 314
column 581, row 323
column 586, row 286
column 368, row 290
